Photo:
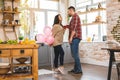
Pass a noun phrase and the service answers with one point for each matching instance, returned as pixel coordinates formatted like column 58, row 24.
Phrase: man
column 75, row 36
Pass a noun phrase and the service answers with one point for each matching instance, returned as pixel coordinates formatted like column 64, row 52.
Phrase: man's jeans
column 75, row 54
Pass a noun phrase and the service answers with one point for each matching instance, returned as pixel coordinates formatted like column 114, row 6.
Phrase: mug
column 16, row 21
column 6, row 21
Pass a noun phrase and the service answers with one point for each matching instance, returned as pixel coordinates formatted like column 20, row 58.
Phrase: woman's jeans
column 59, row 56
column 75, row 54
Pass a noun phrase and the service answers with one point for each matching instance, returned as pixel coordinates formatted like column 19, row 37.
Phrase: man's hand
column 70, row 40
column 71, row 37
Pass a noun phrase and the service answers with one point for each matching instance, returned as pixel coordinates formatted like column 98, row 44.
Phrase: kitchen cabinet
column 18, row 51
column 45, row 52
column 43, row 55
column 67, row 58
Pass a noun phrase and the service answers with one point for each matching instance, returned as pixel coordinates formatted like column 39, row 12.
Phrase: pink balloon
column 40, row 38
column 48, row 34
column 50, row 40
column 48, row 31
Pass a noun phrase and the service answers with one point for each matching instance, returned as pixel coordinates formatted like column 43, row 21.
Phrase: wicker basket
column 4, row 69
column 22, row 60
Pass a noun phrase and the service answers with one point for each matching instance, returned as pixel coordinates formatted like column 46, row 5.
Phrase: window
column 49, row 4
column 84, row 33
column 41, row 14
column 25, row 22
column 91, row 17
column 39, row 22
column 81, row 3
column 33, row 3
column 99, row 30
column 93, row 30
column 97, row 1
column 51, row 16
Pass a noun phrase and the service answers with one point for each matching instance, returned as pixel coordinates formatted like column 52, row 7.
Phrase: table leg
column 35, row 64
column 110, row 65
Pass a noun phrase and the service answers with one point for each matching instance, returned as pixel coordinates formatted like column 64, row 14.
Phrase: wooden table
column 111, row 59
column 17, row 51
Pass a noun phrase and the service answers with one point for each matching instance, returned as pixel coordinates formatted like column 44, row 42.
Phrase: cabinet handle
column 22, row 51
column 42, row 44
column 0, row 52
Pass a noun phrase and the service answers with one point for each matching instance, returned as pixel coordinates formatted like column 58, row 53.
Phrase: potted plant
column 20, row 39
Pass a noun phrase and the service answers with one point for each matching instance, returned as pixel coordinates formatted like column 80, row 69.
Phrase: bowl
column 4, row 64
column 22, row 60
column 4, row 69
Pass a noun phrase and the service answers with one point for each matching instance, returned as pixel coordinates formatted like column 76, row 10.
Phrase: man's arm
column 73, row 30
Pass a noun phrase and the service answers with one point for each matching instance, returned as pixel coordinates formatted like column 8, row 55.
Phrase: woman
column 58, row 32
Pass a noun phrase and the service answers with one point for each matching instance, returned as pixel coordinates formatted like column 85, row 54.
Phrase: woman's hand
column 66, row 26
column 50, row 44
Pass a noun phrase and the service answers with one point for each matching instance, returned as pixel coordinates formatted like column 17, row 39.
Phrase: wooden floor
column 90, row 72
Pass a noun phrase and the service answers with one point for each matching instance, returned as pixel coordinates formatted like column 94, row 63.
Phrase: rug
column 44, row 72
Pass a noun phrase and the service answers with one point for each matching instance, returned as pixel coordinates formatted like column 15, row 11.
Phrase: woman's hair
column 56, row 20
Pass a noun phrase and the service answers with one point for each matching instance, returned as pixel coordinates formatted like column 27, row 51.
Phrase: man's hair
column 71, row 7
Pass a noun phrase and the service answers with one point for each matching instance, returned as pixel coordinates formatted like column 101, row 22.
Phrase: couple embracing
column 75, row 36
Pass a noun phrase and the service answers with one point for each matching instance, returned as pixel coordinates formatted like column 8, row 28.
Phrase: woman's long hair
column 57, row 21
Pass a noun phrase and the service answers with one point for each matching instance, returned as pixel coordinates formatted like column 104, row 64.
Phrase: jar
column 9, row 8
column 7, row 21
column 5, row 9
column 16, row 9
column 2, row 9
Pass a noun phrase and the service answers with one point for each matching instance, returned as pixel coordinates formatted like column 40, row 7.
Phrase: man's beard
column 69, row 15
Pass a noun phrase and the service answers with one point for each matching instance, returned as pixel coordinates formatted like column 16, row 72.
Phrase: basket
column 22, row 60
column 4, row 70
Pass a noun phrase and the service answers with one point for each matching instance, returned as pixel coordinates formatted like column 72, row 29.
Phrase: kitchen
column 24, row 19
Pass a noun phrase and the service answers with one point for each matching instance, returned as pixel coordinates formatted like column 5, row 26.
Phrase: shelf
column 19, row 46
column 10, row 12
column 14, row 65
column 10, row 25
column 14, row 0
column 16, row 76
column 94, row 23
column 94, row 10
column 5, row 57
